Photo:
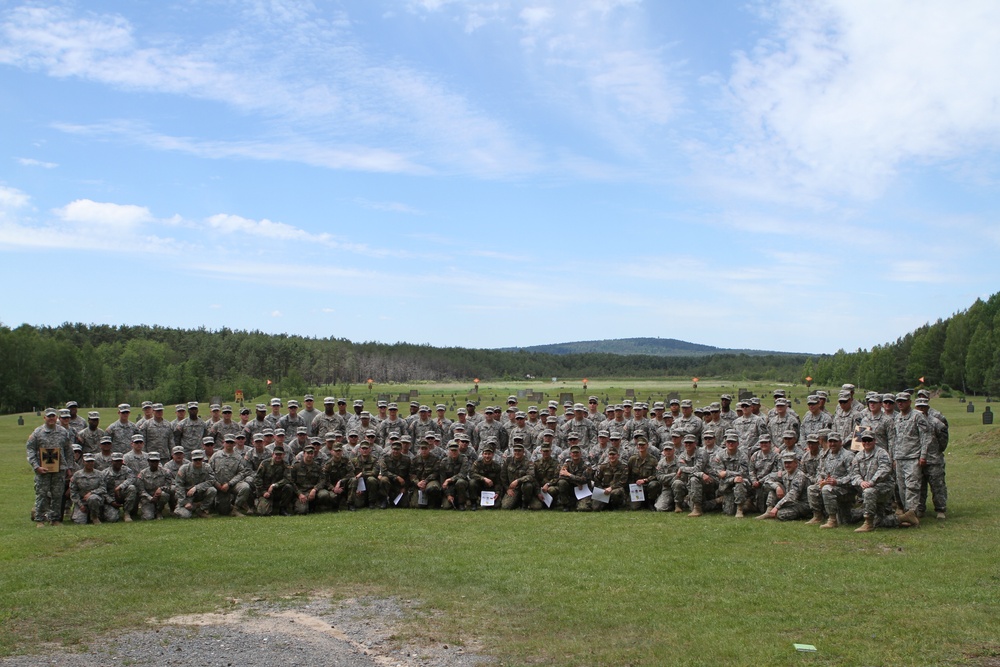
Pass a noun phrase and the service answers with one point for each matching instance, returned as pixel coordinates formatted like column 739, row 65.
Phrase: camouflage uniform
column 147, row 483
column 121, row 436
column 688, row 482
column 367, row 466
column 546, row 471
column 275, row 476
column 524, row 474
column 425, row 470
column 480, row 471
column 90, row 439
column 457, row 470
column 578, row 474
column 734, row 494
column 933, row 471
column 761, row 467
column 341, row 471
column 614, row 475
column 121, row 493
column 666, row 471
column 202, row 480
column 233, row 470
column 834, row 500
column 644, row 468
column 49, row 443
column 189, row 433
column 874, row 467
column 84, row 482
column 389, row 470
column 794, row 503
column 912, row 442
column 306, row 477
column 159, row 437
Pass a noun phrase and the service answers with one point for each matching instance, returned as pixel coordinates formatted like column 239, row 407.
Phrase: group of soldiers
column 869, row 463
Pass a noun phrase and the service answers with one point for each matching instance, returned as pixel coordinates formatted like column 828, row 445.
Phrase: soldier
column 485, row 475
column 309, row 483
column 472, row 417
column 354, row 421
column 157, row 433
column 366, row 475
column 191, row 432
column 727, row 416
column 136, row 459
column 155, row 489
column 517, row 479
column 846, row 419
column 274, row 416
column 611, row 476
column 255, row 456
column 877, row 421
column 392, row 424
column 582, row 426
column 424, row 479
column 933, row 464
column 77, row 423
column 687, row 422
column 309, row 413
column 912, row 438
column 339, row 472
column 575, row 473
column 453, row 473
column 692, row 465
column 292, row 422
column 119, row 481
column 788, row 498
column 326, row 421
column 546, row 471
column 521, row 430
column 215, row 416
column 274, row 485
column 232, row 479
column 393, row 473
column 194, row 487
column 782, row 421
column 87, row 491
column 225, row 426
column 871, row 475
column 180, row 413
column 258, row 424
column 49, row 452
column 592, row 412
column 443, row 423
column 102, row 459
column 121, row 431
column 176, row 461
column 90, row 436
column 666, row 472
column 488, row 428
column 733, row 470
column 833, row 493
column 423, row 425
column 642, row 473
column 809, row 464
column 763, row 464
column 815, row 420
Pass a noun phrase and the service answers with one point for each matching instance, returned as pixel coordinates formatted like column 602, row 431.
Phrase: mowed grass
column 544, row 588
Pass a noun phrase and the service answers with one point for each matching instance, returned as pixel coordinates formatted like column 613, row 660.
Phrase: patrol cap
column 370, row 433
column 107, row 440
column 153, row 456
column 779, row 402
column 675, row 401
column 463, row 437
column 609, row 408
column 788, row 456
column 574, row 448
column 551, row 419
column 470, row 403
column 668, row 445
column 242, row 435
column 708, row 435
column 329, row 400
column 145, row 404
column 848, row 387
column 592, row 399
column 725, row 397
column 754, row 400
column 452, row 444
column 157, row 407
column 518, row 438
column 89, row 457
column 177, row 450
column 395, row 445
column 382, row 404
column 405, row 438
column 260, row 407
column 278, row 431
column 546, row 446
column 812, row 399
column 812, row 437
column 72, row 404
column 548, row 432
column 488, row 410
column 511, row 410
column 732, row 436
column 616, row 435
column 788, row 433
column 512, row 399
column 764, row 437
column 640, row 440
column 316, row 442
column 358, row 403
column 138, row 438
column 64, row 413
column 278, row 450
column 429, row 435
column 229, row 437
column 293, row 404
column 902, row 396
column 833, row 437
column 658, row 405
column 822, row 393
column 492, row 440
column 227, row 408
column 208, row 440
column 275, row 401
column 393, row 406
column 689, row 438
column 518, row 446
column 192, row 405
column 604, row 433
column 572, row 435
column 353, row 434
column 612, row 450
column 258, row 437
column 301, row 430
column 922, row 393
column 117, row 456
column 489, row 448
column 460, row 411
column 269, row 432
column 888, row 398
column 686, row 403
column 309, row 449
column 778, row 393
column 124, row 407
column 843, row 397
column 214, row 406
column 921, row 403
column 440, row 406
column 424, row 408
column 579, row 407
column 553, row 404
column 76, row 447
column 715, row 407
column 744, row 403
column 308, row 397
column 626, row 402
column 520, row 415
column 867, row 435
column 337, row 447
column 365, row 415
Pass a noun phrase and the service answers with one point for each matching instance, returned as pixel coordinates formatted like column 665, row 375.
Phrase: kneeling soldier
column 574, row 473
column 733, row 470
column 485, row 476
column 273, row 484
column 453, row 473
column 365, row 468
column 424, row 479
column 518, row 479
column 872, row 475
column 121, row 494
column 309, row 483
column 338, row 472
column 788, row 499
column 155, row 487
column 86, row 491
column 393, row 473
column 546, row 476
column 642, row 472
column 611, row 476
column 194, row 487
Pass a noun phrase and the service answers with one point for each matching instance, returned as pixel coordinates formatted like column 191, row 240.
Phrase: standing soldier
column 933, row 463
column 846, row 419
column 309, row 413
column 911, row 443
column 90, row 436
column 155, row 489
column 292, row 421
column 225, row 426
column 878, row 422
column 121, row 431
column 191, row 431
column 391, row 424
column 815, row 420
column 326, row 421
column 274, row 417
column 77, row 423
column 50, row 454
column 158, row 433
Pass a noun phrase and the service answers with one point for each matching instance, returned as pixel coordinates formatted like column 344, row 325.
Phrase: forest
column 106, row 364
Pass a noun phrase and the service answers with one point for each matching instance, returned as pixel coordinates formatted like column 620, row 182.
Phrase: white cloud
column 843, row 93
column 31, row 162
column 11, row 198
column 103, row 214
column 276, row 313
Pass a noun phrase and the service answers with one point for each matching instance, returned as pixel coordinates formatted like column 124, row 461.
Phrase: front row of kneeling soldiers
column 787, row 484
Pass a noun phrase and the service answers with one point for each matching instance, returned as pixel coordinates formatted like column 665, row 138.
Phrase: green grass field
column 545, row 588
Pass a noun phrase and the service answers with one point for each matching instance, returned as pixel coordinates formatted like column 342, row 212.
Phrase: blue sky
column 799, row 176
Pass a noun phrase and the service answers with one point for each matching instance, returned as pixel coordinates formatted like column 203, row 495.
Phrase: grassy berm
column 544, row 588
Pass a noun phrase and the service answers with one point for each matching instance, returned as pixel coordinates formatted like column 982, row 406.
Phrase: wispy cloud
column 31, row 162
column 389, row 206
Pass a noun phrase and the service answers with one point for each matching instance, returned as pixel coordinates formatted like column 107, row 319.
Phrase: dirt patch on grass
column 984, row 656
column 355, row 632
column 985, row 443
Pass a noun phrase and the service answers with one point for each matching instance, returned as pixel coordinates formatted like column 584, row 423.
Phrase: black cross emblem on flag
column 50, row 456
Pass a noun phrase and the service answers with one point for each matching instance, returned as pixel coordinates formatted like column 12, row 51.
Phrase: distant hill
column 657, row 347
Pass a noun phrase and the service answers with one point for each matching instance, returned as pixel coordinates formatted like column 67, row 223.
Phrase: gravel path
column 347, row 633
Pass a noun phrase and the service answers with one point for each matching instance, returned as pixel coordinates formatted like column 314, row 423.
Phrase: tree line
column 106, row 364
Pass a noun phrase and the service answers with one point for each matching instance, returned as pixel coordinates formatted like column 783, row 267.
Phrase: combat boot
column 678, row 510
column 867, row 527
column 909, row 519
column 830, row 522
column 739, row 512
column 942, row 516
column 127, row 518
column 816, row 520
column 765, row 515
column 695, row 510
column 94, row 519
